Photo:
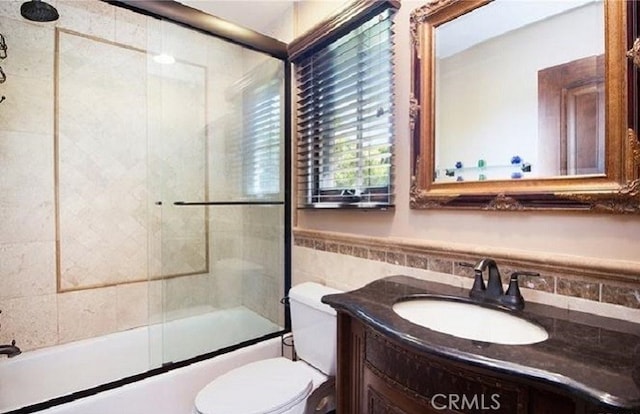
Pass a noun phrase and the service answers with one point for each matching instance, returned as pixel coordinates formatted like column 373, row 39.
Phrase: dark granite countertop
column 594, row 357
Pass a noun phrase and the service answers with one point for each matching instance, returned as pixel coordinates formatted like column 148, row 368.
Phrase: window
column 263, row 138
column 254, row 141
column 345, row 117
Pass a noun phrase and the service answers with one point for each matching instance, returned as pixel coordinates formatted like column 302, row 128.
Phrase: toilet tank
column 313, row 324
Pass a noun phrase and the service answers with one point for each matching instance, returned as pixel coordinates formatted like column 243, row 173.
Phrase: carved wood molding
column 414, row 111
column 419, row 15
column 418, row 199
column 624, row 201
column 634, row 53
column 503, row 202
column 634, row 147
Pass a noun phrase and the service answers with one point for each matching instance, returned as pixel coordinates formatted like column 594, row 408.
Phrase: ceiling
column 496, row 18
column 259, row 15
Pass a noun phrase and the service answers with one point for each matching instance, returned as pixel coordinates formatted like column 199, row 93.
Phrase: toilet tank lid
column 311, row 293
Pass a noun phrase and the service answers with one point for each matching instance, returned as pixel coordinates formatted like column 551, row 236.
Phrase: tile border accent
column 58, row 32
column 602, row 280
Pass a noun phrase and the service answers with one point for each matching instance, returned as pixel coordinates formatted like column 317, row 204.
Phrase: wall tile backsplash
column 415, row 256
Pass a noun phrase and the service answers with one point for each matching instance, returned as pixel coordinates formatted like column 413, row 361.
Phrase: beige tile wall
column 229, row 242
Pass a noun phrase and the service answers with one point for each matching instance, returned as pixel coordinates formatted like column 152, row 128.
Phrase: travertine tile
column 31, row 321
column 378, row 255
column 319, row 245
column 131, row 28
column 621, row 295
column 227, row 276
column 188, row 295
column 11, row 8
column 441, row 265
column 26, row 208
column 103, row 199
column 332, row 247
column 156, row 306
column 417, row 261
column 28, row 106
column 345, row 249
column 262, row 295
column 86, row 313
column 27, row 269
column 543, row 282
column 396, row 258
column 132, row 305
column 184, row 44
column 463, row 268
column 347, row 272
column 88, row 17
column 578, row 288
column 361, row 252
column 30, row 52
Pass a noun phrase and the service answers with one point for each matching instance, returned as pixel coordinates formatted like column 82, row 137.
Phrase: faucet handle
column 478, row 289
column 513, row 297
column 517, row 273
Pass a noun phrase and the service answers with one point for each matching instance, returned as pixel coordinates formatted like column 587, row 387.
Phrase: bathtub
column 41, row 375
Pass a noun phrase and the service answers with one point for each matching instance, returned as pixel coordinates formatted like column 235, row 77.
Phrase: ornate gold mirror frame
column 615, row 191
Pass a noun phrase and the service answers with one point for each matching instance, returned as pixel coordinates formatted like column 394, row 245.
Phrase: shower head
column 38, row 11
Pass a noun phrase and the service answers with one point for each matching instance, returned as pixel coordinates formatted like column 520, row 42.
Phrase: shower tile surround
column 39, row 308
column 349, row 261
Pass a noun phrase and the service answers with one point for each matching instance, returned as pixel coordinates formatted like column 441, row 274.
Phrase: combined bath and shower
column 38, row 11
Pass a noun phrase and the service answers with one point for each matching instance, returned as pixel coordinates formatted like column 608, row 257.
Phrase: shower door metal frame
column 175, row 12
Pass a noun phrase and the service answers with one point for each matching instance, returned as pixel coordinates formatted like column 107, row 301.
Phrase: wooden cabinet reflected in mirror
column 525, row 105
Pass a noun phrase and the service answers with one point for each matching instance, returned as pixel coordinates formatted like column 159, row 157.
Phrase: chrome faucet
column 10, row 350
column 493, row 292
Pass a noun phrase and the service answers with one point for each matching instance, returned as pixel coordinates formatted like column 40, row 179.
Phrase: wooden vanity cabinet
column 378, row 375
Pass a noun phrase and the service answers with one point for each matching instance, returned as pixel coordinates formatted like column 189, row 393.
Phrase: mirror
column 525, row 105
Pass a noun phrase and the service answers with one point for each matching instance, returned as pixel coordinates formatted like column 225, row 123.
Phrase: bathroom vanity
column 386, row 364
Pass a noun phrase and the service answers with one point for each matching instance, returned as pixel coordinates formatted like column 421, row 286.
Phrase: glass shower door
column 217, row 154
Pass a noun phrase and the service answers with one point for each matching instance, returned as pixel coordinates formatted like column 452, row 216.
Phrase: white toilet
column 279, row 385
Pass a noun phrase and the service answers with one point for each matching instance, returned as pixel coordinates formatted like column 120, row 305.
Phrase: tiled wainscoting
column 347, row 261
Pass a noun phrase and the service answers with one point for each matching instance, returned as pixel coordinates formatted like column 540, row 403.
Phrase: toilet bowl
column 279, row 385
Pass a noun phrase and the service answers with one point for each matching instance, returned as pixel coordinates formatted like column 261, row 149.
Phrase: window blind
column 262, row 139
column 253, row 153
column 345, row 119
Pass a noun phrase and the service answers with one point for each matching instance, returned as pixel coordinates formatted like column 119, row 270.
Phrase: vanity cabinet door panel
column 383, row 397
column 446, row 383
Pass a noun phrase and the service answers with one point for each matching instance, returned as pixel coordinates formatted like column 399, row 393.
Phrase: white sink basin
column 470, row 321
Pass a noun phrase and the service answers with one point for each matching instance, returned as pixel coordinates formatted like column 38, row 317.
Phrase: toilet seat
column 270, row 386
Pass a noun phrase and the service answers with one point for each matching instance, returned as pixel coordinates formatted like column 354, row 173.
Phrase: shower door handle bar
column 227, row 203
